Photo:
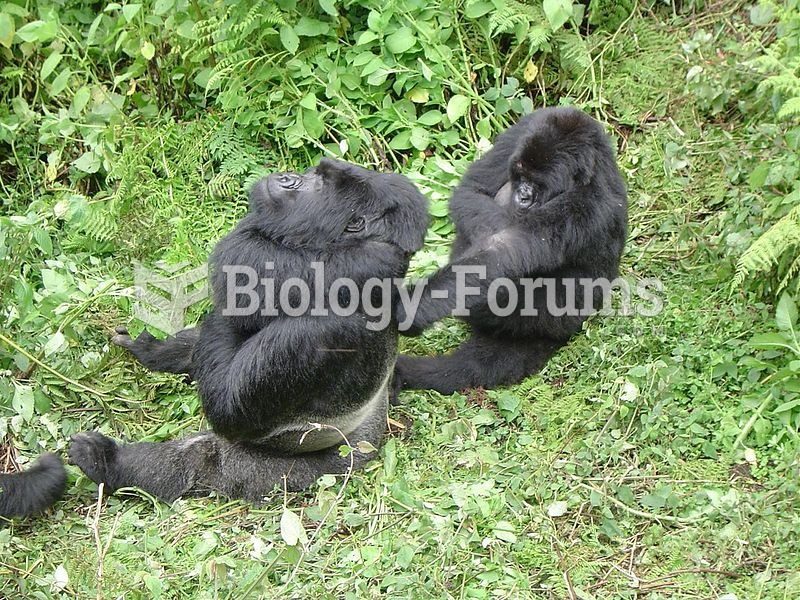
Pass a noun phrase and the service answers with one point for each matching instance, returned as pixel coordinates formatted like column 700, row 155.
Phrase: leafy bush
column 776, row 253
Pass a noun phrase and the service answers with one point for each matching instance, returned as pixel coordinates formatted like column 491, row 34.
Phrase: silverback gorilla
column 262, row 377
column 29, row 493
column 546, row 202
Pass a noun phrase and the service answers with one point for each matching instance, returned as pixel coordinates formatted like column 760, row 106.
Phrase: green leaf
column 43, row 240
column 367, row 37
column 475, row 10
column 186, row 29
column 311, row 27
column 329, row 6
column 786, row 313
column 313, row 124
column 786, row 406
column 484, row 417
column 430, row 118
column 484, row 128
column 309, row 101
column 60, row 82
column 80, row 100
column 758, row 176
column 289, row 39
column 509, row 404
column 88, row 162
column 653, row 501
column 390, row 457
column 148, row 50
column 6, row 30
column 22, row 402
column 292, row 530
column 401, row 40
column 504, row 531
column 129, row 11
column 54, row 282
column 365, row 447
column 38, row 31
column 420, row 138
column 769, row 340
column 162, row 6
column 56, row 343
column 49, row 64
column 557, row 12
column 402, row 141
column 418, row 95
column 457, row 107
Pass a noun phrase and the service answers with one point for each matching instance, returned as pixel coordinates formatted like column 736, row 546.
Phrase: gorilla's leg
column 32, row 491
column 172, row 355
column 480, row 362
column 206, row 462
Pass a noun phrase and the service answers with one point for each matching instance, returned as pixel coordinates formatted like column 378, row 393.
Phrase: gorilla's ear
column 408, row 220
column 411, row 224
column 578, row 143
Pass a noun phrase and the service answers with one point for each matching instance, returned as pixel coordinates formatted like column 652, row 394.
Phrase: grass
column 612, row 474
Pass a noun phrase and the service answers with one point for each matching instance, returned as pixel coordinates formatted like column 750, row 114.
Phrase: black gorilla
column 547, row 201
column 29, row 493
column 264, row 377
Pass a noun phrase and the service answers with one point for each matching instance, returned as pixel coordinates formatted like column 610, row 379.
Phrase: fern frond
column 785, row 83
column 574, row 52
column 100, row 222
column 774, row 245
column 790, row 108
column 242, row 27
column 510, row 14
column 791, row 273
column 538, row 37
column 536, row 390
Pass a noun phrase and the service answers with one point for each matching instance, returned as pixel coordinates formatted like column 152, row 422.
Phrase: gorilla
column 545, row 208
column 281, row 388
column 31, row 492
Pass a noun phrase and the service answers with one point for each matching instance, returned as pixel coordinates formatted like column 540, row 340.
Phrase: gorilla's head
column 339, row 204
column 558, row 155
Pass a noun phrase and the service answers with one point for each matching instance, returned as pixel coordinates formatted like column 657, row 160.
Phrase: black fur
column 31, row 492
column 546, row 201
column 262, row 378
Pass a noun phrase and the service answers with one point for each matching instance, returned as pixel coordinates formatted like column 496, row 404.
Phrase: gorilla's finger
column 121, row 329
column 123, row 340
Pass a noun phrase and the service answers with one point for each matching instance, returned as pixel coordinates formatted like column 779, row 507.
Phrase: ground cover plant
column 652, row 458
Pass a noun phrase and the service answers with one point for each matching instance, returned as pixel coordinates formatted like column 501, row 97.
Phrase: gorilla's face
column 557, row 157
column 519, row 194
column 339, row 204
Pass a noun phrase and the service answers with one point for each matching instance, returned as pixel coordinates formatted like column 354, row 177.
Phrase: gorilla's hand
column 95, row 454
column 172, row 355
column 409, row 322
column 142, row 344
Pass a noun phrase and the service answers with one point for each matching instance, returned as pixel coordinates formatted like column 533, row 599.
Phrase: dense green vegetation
column 652, row 458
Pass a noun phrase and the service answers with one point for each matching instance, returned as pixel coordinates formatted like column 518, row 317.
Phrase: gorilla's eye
column 355, row 225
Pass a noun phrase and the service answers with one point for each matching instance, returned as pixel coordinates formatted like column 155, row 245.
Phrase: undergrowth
column 652, row 458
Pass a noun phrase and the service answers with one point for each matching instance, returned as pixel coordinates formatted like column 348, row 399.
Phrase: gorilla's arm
column 245, row 380
column 172, row 355
column 31, row 492
column 473, row 206
column 548, row 241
